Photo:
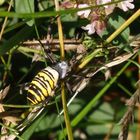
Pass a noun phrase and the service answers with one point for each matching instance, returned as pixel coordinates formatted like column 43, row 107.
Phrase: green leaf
column 116, row 22
column 121, row 41
column 28, row 132
column 25, row 6
column 21, row 35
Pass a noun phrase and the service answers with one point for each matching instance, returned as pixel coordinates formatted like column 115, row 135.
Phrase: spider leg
column 69, row 88
column 78, row 88
column 46, row 48
column 24, row 86
column 34, row 113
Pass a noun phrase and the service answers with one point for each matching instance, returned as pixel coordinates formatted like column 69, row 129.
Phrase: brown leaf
column 4, row 92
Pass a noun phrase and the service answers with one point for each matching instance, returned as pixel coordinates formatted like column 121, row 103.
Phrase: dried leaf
column 12, row 119
column 124, row 133
column 6, row 135
column 4, row 92
column 107, row 74
column 135, row 98
column 1, row 108
column 127, row 119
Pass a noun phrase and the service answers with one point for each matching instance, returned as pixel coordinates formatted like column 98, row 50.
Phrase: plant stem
column 66, row 116
column 123, row 26
column 62, row 52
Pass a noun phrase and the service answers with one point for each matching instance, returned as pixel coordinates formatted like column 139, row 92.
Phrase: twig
column 5, row 20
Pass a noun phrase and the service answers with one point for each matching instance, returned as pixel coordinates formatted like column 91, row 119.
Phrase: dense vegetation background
column 101, row 43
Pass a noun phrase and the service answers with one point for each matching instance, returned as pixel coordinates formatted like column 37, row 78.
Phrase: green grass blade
column 16, row 39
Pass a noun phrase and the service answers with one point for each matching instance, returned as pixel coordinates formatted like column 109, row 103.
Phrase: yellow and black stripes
column 43, row 85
